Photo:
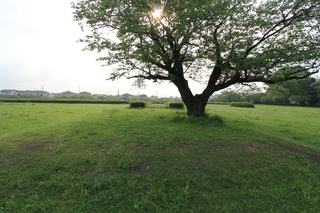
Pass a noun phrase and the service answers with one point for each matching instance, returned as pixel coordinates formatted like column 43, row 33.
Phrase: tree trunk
column 196, row 106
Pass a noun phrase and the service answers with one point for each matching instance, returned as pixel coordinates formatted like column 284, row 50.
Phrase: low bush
column 176, row 105
column 242, row 104
column 137, row 104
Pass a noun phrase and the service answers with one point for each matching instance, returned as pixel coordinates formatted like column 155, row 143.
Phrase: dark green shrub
column 176, row 105
column 137, row 104
column 242, row 104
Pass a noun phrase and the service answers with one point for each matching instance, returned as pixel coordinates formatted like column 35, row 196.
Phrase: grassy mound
column 108, row 158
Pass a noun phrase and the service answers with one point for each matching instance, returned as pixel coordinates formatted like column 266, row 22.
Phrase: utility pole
column 42, row 87
column 118, row 94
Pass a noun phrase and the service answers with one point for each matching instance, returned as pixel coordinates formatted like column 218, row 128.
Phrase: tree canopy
column 220, row 43
column 303, row 91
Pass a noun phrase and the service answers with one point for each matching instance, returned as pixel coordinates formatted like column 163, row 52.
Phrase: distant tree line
column 82, row 95
column 122, row 97
column 304, row 92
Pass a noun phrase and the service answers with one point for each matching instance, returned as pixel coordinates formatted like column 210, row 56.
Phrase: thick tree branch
column 149, row 77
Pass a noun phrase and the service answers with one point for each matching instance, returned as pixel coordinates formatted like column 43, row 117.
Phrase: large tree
column 221, row 42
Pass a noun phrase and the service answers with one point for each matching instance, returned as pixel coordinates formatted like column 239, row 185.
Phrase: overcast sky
column 39, row 49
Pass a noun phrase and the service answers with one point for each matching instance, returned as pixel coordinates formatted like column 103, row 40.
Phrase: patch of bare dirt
column 252, row 147
column 26, row 145
column 32, row 146
column 309, row 153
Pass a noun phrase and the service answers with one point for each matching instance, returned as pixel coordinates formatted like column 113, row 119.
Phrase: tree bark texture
column 195, row 104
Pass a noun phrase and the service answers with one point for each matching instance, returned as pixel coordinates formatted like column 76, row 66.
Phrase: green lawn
column 109, row 158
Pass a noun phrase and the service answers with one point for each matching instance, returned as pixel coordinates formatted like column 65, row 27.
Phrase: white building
column 9, row 92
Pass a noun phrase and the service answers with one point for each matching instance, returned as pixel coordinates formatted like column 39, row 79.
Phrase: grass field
column 109, row 158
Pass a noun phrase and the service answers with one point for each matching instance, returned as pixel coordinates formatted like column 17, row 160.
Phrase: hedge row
column 143, row 104
column 138, row 104
column 66, row 101
column 242, row 104
column 176, row 105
